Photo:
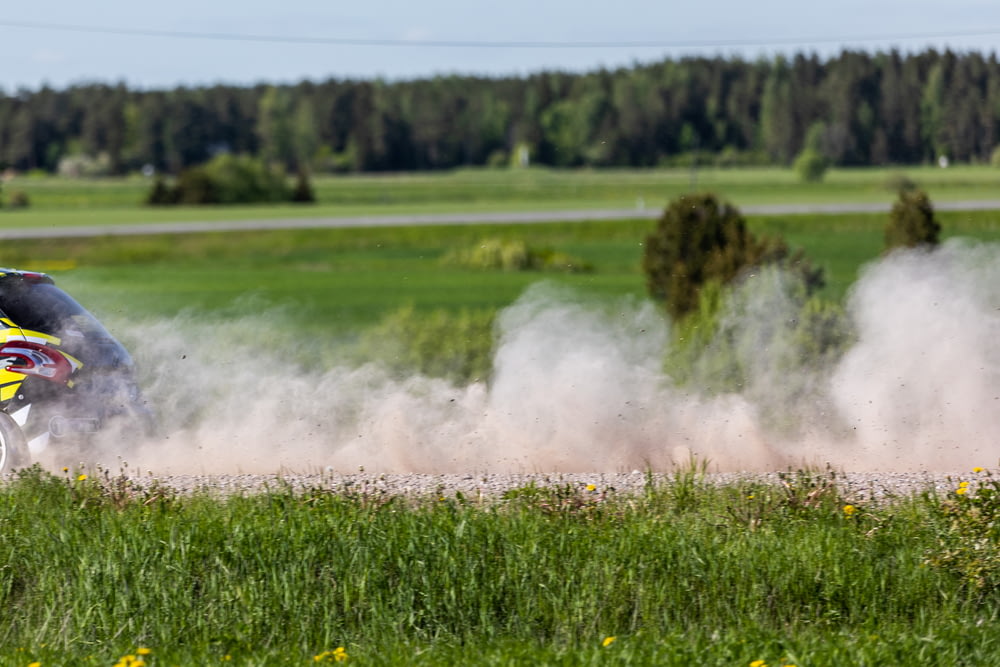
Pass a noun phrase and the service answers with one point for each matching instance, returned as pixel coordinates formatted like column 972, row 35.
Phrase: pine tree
column 912, row 222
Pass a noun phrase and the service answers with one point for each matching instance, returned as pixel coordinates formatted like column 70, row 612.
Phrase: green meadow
column 59, row 201
column 97, row 569
column 348, row 278
column 344, row 279
column 107, row 570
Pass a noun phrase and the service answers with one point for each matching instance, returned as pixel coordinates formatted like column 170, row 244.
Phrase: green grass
column 685, row 573
column 345, row 279
column 57, row 201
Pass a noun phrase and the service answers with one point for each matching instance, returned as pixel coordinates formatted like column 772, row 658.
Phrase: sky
column 153, row 45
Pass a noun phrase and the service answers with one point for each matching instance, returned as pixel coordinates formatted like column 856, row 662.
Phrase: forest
column 853, row 109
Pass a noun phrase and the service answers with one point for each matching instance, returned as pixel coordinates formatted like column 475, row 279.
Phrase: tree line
column 856, row 108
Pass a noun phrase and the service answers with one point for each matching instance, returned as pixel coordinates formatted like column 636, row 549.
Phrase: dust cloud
column 579, row 387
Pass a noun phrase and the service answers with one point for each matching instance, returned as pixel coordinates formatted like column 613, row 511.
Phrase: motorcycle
column 64, row 379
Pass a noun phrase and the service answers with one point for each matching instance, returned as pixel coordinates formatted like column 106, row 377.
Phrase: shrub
column 912, row 222
column 495, row 254
column 241, row 179
column 227, row 179
column 699, row 240
column 454, row 346
column 811, row 166
column 196, row 186
column 767, row 340
column 18, row 199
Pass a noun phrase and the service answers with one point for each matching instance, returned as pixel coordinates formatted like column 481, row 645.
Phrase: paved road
column 444, row 219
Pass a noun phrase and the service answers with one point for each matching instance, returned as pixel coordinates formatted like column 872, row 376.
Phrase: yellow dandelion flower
column 963, row 484
column 591, row 487
column 961, row 491
column 81, row 477
column 608, row 641
column 35, row 664
column 758, row 663
column 977, row 469
column 336, row 655
column 142, row 650
column 849, row 510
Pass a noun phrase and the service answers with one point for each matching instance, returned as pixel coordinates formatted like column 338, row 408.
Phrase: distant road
column 445, row 219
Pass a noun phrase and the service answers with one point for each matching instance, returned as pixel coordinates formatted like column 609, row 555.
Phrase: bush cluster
column 495, row 254
column 230, row 179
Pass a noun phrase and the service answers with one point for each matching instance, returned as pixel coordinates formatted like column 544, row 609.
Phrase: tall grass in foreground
column 685, row 573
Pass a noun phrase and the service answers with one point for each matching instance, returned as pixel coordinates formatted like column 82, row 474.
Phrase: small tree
column 912, row 222
column 699, row 240
column 811, row 166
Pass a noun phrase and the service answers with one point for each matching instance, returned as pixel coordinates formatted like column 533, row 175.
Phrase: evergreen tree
column 912, row 222
column 699, row 241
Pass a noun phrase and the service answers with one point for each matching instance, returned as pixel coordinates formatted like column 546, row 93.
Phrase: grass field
column 344, row 278
column 339, row 280
column 687, row 573
column 57, row 201
column 684, row 573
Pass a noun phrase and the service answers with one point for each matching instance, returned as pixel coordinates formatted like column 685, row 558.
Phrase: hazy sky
column 196, row 42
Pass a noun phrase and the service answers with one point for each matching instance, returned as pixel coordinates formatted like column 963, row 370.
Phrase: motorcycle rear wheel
column 13, row 446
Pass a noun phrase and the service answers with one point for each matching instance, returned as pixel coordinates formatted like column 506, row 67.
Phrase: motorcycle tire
column 13, row 446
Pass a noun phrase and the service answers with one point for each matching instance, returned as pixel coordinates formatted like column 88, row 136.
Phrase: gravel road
column 859, row 487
